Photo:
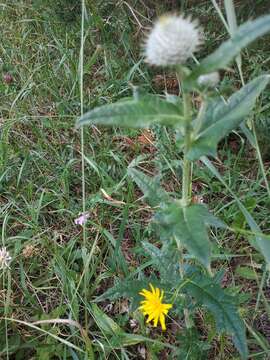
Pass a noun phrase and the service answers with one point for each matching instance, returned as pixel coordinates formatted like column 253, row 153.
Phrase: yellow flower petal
column 153, row 307
column 162, row 321
column 162, row 294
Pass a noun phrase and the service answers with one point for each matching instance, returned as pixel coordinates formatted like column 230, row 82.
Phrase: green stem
column 188, row 320
column 186, row 176
column 186, row 181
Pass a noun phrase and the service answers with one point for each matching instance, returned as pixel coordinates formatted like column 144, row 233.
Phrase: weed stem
column 187, row 166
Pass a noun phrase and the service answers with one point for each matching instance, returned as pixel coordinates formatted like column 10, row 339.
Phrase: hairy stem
column 187, row 165
column 186, row 179
column 186, row 184
column 188, row 320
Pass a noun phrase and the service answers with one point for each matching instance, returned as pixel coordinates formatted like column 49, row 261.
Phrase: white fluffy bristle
column 172, row 41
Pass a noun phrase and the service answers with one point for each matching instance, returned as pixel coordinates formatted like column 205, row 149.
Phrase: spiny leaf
column 210, row 219
column 220, row 118
column 134, row 113
column 150, row 188
column 188, row 226
column 222, row 306
column 166, row 261
column 242, row 37
column 128, row 288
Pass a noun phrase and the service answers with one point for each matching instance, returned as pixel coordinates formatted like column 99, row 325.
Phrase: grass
column 41, row 192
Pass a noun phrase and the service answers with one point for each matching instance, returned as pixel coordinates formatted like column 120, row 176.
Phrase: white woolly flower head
column 209, row 80
column 5, row 258
column 172, row 41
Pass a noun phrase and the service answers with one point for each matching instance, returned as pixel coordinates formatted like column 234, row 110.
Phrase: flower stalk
column 188, row 320
column 186, row 174
column 187, row 165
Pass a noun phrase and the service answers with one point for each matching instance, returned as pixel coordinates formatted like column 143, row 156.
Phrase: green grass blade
column 262, row 243
column 222, row 306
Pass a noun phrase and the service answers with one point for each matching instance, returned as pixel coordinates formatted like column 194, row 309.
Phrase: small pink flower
column 8, row 78
column 82, row 219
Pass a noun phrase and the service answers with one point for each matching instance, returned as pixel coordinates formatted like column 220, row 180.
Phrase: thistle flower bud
column 209, row 80
column 172, row 41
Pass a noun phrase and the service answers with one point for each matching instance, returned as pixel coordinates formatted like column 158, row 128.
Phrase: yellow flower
column 153, row 307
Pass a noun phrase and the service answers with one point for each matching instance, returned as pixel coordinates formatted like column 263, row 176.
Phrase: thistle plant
column 183, row 275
